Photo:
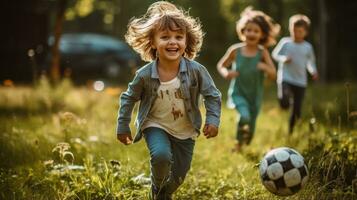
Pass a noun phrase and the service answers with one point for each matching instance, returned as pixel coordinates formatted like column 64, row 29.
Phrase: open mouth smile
column 172, row 50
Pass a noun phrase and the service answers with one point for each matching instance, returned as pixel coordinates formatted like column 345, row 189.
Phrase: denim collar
column 155, row 74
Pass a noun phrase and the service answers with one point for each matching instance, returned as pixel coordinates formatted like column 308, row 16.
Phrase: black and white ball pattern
column 283, row 171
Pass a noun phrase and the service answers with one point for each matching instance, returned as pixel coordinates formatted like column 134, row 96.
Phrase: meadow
column 60, row 143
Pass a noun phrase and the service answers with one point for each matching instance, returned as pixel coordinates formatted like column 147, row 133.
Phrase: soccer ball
column 283, row 171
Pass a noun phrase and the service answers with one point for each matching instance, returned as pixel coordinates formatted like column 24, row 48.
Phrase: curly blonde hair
column 161, row 16
column 269, row 28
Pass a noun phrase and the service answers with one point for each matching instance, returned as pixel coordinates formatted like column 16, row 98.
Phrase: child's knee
column 161, row 158
column 244, row 119
column 284, row 104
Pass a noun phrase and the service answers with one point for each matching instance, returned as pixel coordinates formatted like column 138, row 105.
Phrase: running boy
column 168, row 89
column 295, row 57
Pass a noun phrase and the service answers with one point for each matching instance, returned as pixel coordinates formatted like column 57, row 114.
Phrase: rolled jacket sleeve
column 127, row 102
column 211, row 96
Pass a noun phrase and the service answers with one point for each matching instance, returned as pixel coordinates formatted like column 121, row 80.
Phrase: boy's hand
column 315, row 77
column 210, row 131
column 125, row 138
column 288, row 59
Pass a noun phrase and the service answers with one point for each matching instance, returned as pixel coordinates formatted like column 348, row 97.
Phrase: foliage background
column 58, row 141
column 28, row 23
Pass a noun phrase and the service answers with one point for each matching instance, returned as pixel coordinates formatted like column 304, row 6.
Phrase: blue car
column 89, row 56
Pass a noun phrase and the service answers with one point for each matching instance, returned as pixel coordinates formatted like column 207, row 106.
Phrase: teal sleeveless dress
column 246, row 93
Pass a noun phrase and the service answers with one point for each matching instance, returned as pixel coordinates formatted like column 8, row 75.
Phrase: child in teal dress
column 250, row 61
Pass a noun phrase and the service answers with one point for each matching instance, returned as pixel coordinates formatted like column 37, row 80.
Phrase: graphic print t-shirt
column 168, row 111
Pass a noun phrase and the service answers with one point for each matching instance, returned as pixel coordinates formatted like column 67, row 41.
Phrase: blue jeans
column 170, row 160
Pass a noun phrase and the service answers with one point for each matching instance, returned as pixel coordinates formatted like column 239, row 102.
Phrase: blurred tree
column 71, row 10
column 24, row 29
column 55, row 64
column 323, row 39
column 340, row 22
column 218, row 19
column 27, row 23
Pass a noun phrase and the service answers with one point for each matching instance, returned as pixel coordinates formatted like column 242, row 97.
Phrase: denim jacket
column 195, row 80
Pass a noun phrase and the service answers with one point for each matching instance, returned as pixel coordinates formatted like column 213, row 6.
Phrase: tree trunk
column 323, row 40
column 120, row 17
column 55, row 65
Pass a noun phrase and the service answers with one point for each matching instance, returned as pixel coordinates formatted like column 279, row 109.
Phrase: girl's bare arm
column 226, row 61
column 267, row 65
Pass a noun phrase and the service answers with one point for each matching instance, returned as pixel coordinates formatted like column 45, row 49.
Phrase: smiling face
column 170, row 45
column 252, row 33
column 298, row 33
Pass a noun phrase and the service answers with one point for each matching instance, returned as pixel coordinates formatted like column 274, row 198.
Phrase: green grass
column 35, row 163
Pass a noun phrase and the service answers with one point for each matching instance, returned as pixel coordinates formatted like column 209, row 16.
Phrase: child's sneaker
column 246, row 134
column 158, row 195
column 141, row 179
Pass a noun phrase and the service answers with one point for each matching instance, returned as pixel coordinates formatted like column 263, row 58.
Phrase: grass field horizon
column 59, row 143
